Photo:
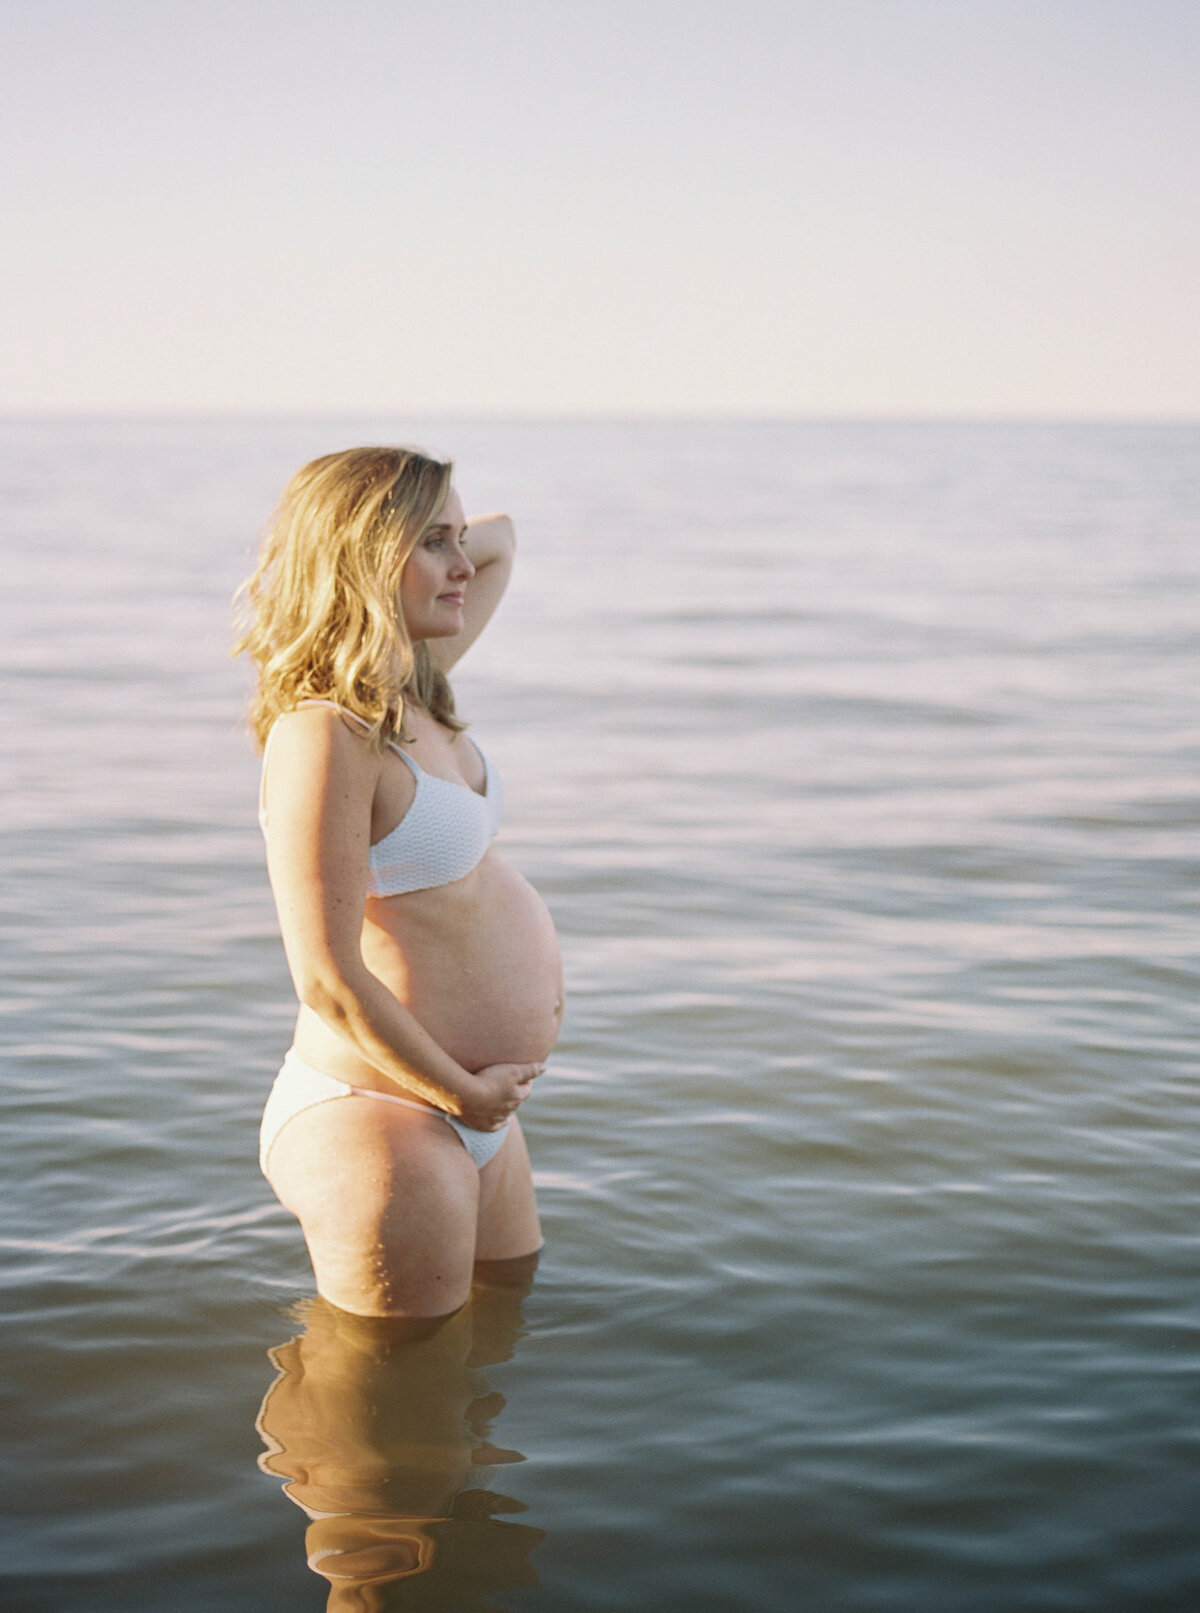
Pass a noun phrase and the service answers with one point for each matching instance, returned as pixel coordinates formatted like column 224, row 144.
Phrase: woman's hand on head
column 497, row 1092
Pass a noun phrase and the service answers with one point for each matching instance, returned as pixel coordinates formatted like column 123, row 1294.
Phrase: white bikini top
column 441, row 837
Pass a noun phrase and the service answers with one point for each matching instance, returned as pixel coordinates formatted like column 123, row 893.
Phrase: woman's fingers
column 511, row 1085
column 525, row 1082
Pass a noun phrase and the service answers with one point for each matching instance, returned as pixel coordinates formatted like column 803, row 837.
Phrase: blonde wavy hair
column 320, row 617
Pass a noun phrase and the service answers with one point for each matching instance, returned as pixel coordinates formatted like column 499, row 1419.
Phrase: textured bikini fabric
column 441, row 837
column 300, row 1086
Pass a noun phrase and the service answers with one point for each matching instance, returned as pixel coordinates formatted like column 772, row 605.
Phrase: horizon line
column 587, row 417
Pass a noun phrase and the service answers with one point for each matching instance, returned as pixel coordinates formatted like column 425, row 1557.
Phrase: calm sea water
column 857, row 765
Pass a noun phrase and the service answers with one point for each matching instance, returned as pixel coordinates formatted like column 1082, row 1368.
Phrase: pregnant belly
column 477, row 963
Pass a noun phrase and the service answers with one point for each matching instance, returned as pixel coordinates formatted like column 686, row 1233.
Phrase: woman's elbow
column 327, row 992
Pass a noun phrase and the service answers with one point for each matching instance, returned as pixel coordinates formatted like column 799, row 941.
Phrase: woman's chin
column 446, row 625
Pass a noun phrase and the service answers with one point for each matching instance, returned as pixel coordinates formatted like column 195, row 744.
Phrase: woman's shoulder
column 315, row 759
column 321, row 729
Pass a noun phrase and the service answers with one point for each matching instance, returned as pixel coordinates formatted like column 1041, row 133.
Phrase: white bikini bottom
column 299, row 1086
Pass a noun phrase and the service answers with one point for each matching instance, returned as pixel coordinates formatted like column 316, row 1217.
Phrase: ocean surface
column 858, row 767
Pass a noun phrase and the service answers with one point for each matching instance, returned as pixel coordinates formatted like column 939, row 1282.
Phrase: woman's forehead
column 451, row 513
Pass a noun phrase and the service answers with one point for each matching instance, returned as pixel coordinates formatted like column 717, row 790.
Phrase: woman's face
column 435, row 576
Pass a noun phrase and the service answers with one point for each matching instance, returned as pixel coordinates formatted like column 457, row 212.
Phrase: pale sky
column 908, row 208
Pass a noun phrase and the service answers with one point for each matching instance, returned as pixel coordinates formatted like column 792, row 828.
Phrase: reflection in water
column 379, row 1427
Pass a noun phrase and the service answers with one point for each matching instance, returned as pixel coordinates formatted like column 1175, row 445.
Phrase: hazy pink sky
column 812, row 207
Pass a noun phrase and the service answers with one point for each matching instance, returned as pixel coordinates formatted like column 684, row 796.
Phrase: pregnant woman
column 427, row 968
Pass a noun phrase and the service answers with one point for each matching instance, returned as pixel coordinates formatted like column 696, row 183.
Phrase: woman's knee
column 373, row 1257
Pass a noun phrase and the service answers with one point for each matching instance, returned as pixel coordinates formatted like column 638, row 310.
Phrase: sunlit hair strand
column 319, row 618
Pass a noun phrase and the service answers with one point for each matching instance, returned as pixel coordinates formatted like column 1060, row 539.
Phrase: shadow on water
column 382, row 1430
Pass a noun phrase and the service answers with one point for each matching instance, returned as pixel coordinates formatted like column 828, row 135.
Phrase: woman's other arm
column 319, row 789
column 490, row 543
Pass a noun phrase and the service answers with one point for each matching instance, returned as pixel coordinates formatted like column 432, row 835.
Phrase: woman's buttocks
column 476, row 962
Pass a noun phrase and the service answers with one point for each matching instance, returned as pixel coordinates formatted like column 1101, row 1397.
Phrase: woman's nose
column 462, row 566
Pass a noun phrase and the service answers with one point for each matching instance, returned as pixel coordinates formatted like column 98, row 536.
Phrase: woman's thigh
column 388, row 1200
column 508, row 1219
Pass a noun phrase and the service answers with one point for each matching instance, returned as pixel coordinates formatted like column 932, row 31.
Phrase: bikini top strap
column 262, row 777
column 354, row 718
column 333, row 706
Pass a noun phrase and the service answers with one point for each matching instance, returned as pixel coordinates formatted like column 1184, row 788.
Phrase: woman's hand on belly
column 496, row 1093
